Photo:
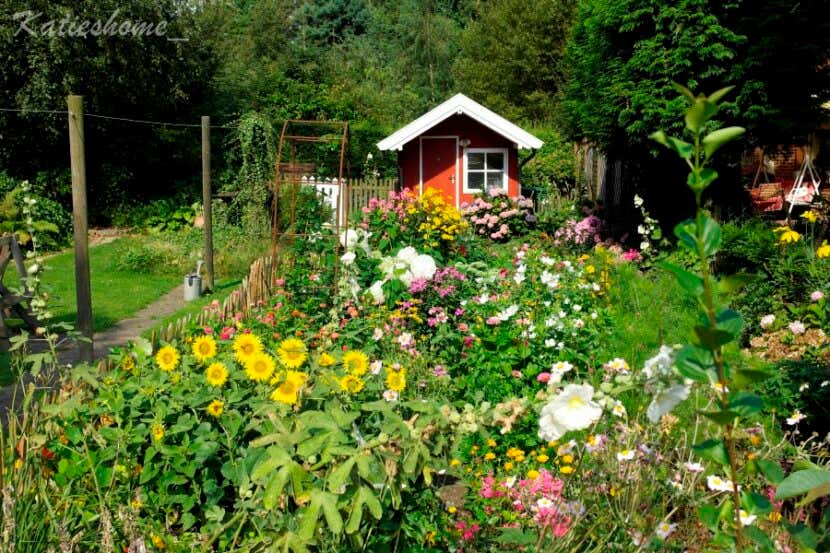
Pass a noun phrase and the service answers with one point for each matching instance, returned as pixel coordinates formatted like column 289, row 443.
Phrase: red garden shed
column 461, row 148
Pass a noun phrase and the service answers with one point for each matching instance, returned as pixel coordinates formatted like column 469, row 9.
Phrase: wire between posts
column 113, row 118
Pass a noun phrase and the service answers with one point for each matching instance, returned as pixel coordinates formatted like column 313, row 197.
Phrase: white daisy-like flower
column 572, row 409
column 660, row 364
column 718, row 484
column 618, row 410
column 505, row 314
column 665, row 400
column 796, row 418
column 803, row 386
column 390, row 395
column 547, row 261
column 625, row 455
column 376, row 366
column 746, row 518
column 377, row 334
column 664, row 529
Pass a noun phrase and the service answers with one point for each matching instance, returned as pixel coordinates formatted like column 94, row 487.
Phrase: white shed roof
column 459, row 104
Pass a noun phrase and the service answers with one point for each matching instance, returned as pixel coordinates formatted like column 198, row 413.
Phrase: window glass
column 475, row 160
column 494, row 179
column 495, row 160
column 475, row 180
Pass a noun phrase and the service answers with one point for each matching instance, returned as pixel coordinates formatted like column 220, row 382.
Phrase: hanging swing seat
column 803, row 192
column 767, row 195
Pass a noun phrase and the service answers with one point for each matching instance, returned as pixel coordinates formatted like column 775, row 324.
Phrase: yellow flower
column 396, row 380
column 356, row 362
column 823, row 251
column 326, row 360
column 568, row 459
column 455, row 463
column 533, row 474
column 158, row 432
column 755, row 439
column 18, row 463
column 567, row 469
column 129, row 363
column 491, row 442
column 216, row 408
column 508, row 465
column 351, row 383
column 204, row 348
column 774, row 516
column 788, row 235
column 451, row 509
column 297, row 378
column 287, row 393
column 158, row 543
column 489, row 456
column 259, row 367
column 542, row 458
column 590, row 269
column 216, row 374
column 292, row 353
column 167, row 358
column 245, row 346
column 809, row 216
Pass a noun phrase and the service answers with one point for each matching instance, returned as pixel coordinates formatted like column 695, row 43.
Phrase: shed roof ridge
column 458, row 104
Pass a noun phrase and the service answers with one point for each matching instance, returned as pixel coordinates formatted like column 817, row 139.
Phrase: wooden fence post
column 206, row 201
column 83, row 293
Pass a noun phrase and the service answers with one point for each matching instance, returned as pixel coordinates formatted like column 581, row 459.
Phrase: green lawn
column 116, row 293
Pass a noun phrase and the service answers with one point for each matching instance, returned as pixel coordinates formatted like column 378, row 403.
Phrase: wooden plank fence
column 360, row 192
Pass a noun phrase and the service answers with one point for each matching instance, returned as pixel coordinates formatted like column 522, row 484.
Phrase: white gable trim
column 460, row 104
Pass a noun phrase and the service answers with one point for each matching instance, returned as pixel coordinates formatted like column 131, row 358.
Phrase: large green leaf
column 695, row 363
column 802, row 482
column 712, row 450
column 715, row 139
column 689, row 281
column 699, row 113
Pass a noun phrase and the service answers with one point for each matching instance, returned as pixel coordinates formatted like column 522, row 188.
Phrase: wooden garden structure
column 11, row 303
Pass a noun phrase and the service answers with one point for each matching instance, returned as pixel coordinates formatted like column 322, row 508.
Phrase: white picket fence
column 360, row 192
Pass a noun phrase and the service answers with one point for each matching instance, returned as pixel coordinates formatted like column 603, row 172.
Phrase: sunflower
column 167, row 358
column 396, row 380
column 292, row 353
column 259, row 367
column 286, row 393
column 216, row 374
column 350, row 383
column 356, row 362
column 326, row 360
column 204, row 347
column 298, row 378
column 158, row 432
column 245, row 346
column 216, row 407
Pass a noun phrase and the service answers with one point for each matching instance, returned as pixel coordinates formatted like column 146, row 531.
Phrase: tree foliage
column 511, row 54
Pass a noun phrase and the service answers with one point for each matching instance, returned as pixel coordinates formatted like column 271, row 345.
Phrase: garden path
column 116, row 335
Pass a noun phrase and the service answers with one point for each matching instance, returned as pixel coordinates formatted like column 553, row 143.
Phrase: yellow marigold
column 508, row 465
column 158, row 542
column 167, row 358
column 259, row 367
column 326, row 360
column 216, row 374
column 292, row 353
column 455, row 463
column 351, row 383
column 396, row 380
column 567, row 458
column 158, row 432
column 245, row 346
column 204, row 347
column 567, row 469
column 823, row 251
column 216, row 408
column 542, row 458
column 356, row 362
column 489, row 456
column 287, row 392
column 491, row 442
column 533, row 474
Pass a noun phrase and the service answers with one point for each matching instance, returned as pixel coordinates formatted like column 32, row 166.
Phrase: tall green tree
column 511, row 56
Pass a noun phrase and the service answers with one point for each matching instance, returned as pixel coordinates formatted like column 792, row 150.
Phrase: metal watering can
column 193, row 283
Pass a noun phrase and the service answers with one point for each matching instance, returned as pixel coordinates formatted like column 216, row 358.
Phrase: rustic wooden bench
column 13, row 304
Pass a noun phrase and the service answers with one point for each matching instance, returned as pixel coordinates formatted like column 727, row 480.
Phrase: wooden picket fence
column 363, row 190
column 255, row 290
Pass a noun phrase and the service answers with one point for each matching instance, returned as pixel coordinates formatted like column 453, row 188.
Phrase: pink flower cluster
column 499, row 216
column 587, row 231
column 538, row 499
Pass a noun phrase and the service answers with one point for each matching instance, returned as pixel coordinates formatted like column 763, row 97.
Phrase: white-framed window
column 485, row 169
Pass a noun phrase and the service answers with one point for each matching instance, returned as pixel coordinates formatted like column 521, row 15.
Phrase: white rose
column 348, row 258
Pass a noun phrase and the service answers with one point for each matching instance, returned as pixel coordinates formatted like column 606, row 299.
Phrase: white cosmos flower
column 665, row 400
column 377, row 334
column 505, row 314
column 746, row 518
column 390, row 395
column 718, row 484
column 618, row 410
column 547, row 261
column 572, row 409
column 376, row 366
column 348, row 258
